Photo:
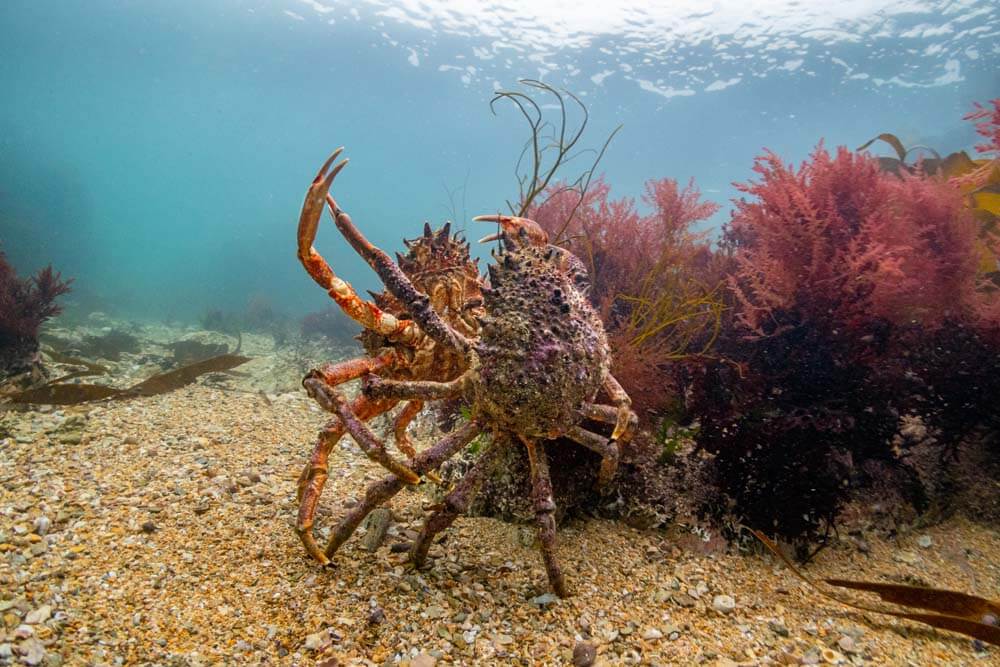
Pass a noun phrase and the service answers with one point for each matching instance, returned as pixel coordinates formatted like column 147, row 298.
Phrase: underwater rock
column 190, row 351
column 110, row 345
column 377, row 524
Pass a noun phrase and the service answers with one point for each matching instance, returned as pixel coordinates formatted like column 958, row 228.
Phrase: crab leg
column 608, row 449
column 333, row 401
column 455, row 503
column 609, row 414
column 381, row 491
column 363, row 312
column 622, row 402
column 333, row 375
column 620, row 415
column 403, row 419
column 314, row 474
column 375, row 387
column 392, row 276
column 545, row 507
column 345, row 371
column 399, row 424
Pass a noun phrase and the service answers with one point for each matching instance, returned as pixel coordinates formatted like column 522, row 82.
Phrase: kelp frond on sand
column 959, row 612
column 59, row 392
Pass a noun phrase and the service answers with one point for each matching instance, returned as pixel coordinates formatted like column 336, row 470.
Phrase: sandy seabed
column 160, row 531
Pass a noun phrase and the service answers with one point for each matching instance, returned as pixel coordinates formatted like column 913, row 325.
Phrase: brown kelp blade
column 89, row 367
column 952, row 603
column 890, row 139
column 65, row 394
column 966, row 626
column 73, row 394
column 164, row 382
column 981, row 631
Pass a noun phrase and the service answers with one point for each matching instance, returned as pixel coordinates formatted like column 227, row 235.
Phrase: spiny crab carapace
column 525, row 352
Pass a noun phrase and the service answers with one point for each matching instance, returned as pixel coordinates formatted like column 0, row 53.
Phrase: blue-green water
column 159, row 151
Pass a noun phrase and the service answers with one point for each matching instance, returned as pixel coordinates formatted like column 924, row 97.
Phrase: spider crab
column 525, row 352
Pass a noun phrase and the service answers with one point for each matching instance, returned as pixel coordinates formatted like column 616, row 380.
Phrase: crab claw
column 312, row 210
column 516, row 228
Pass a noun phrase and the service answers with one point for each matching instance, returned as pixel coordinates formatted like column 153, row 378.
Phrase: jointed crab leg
column 345, row 371
column 620, row 415
column 314, row 475
column 333, row 375
column 392, row 276
column 455, row 503
column 403, row 419
column 622, row 402
column 608, row 449
column 365, row 313
column 333, row 401
column 376, row 387
column 609, row 414
column 379, row 492
column 399, row 424
column 545, row 507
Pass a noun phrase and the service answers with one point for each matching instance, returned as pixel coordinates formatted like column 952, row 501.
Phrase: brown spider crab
column 526, row 353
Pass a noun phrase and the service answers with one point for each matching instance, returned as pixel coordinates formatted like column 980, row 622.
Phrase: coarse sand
column 160, row 531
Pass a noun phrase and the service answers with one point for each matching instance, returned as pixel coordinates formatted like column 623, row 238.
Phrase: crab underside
column 524, row 351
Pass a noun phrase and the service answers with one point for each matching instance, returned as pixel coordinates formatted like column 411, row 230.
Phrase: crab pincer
column 528, row 231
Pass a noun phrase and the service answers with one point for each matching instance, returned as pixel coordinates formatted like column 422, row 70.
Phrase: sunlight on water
column 159, row 153
column 642, row 44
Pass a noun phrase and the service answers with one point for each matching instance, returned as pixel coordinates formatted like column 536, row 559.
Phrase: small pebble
column 925, row 541
column 544, row 600
column 39, row 615
column 424, row 660
column 42, row 525
column 778, row 628
column 832, row 657
column 584, row 654
column 435, row 611
column 316, row 640
column 684, row 600
column 723, row 604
